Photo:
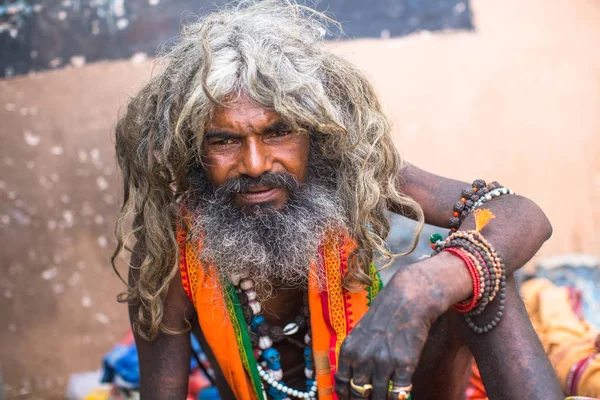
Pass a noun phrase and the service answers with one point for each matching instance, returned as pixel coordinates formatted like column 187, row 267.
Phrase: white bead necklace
column 246, row 286
column 311, row 394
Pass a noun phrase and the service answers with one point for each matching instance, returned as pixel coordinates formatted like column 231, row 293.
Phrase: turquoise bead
column 436, row 237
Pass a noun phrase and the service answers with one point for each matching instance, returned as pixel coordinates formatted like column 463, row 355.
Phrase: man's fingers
column 381, row 382
column 344, row 373
column 400, row 383
column 360, row 385
column 342, row 387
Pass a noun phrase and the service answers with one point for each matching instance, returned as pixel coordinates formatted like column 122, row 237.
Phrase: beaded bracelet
column 473, row 197
column 492, row 194
column 486, row 269
column 469, row 304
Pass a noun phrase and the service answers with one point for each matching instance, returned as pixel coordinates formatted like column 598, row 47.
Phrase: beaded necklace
column 262, row 337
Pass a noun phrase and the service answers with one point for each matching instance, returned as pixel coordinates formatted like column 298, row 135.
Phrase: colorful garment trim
column 377, row 284
column 332, row 298
column 334, row 311
column 243, row 339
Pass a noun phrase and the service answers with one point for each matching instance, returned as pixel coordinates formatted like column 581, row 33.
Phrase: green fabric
column 377, row 284
column 243, row 338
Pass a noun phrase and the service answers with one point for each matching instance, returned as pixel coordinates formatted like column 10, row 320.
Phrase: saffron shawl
column 334, row 311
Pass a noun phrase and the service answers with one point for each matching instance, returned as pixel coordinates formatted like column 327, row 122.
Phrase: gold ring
column 364, row 390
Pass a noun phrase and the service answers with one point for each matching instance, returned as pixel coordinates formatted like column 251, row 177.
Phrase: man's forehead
column 243, row 115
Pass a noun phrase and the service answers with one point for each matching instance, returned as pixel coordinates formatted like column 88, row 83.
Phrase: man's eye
column 224, row 142
column 282, row 132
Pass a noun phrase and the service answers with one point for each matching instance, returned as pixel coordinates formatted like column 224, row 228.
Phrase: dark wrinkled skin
column 386, row 344
column 408, row 335
column 388, row 341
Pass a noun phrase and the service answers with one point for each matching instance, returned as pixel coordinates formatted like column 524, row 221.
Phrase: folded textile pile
column 572, row 344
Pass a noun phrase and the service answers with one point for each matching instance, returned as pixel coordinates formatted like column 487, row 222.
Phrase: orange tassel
column 482, row 218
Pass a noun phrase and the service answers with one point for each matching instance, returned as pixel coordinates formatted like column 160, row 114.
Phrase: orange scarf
column 334, row 311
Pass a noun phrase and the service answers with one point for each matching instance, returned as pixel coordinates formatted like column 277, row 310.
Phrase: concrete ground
column 516, row 100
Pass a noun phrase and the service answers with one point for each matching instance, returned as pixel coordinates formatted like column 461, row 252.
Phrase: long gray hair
column 271, row 51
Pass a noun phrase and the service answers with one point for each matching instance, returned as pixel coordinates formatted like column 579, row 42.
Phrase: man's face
column 264, row 199
column 245, row 140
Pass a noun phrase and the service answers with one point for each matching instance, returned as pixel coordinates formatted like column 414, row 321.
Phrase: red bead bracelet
column 470, row 304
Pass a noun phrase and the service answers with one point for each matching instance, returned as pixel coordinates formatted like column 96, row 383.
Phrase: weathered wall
column 515, row 101
column 38, row 35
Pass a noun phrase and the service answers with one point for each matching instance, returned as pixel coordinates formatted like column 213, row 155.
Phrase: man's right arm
column 165, row 361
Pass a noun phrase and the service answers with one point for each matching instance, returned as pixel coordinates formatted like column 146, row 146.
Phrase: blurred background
column 506, row 91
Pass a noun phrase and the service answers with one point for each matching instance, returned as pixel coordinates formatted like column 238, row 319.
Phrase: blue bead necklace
column 263, row 336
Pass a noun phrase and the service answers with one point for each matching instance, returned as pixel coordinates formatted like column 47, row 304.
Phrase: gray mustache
column 271, row 180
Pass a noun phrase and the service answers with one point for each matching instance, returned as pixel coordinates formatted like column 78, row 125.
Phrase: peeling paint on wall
column 46, row 34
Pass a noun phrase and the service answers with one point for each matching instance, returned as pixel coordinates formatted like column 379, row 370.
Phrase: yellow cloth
column 570, row 342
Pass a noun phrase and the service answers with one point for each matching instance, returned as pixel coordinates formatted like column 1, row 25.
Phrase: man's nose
column 256, row 158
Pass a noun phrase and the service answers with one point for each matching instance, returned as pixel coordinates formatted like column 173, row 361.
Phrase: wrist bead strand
column 473, row 197
column 485, row 266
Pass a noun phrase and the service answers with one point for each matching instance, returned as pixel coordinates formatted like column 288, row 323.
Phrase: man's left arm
column 518, row 231
column 431, row 286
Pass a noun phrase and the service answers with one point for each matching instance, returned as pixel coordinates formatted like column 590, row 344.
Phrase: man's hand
column 386, row 344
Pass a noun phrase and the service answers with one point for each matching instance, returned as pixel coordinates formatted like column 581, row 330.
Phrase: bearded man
column 260, row 173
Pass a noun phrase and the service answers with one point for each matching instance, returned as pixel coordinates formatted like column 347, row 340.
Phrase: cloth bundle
column 572, row 344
